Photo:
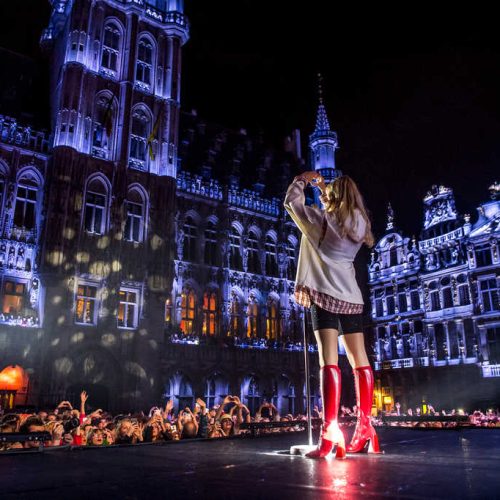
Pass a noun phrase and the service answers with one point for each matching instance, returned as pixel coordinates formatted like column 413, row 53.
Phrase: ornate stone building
column 435, row 306
column 136, row 264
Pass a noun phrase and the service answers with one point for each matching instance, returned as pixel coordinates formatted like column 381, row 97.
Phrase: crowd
column 490, row 418
column 72, row 426
column 67, row 425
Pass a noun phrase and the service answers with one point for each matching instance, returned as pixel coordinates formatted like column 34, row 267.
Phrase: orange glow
column 13, row 296
column 13, row 378
column 209, row 313
column 187, row 312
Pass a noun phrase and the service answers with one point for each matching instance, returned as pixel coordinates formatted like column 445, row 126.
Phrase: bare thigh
column 327, row 340
column 354, row 344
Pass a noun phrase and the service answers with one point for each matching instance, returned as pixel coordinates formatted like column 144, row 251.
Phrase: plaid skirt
column 305, row 297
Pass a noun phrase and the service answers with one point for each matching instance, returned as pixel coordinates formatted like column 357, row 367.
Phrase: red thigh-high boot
column 363, row 378
column 330, row 431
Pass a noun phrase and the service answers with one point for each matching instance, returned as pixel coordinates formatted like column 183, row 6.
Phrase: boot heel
column 340, row 454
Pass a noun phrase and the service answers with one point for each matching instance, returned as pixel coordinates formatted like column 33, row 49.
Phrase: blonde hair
column 342, row 197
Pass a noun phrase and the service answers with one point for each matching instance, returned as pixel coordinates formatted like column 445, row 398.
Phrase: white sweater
column 328, row 269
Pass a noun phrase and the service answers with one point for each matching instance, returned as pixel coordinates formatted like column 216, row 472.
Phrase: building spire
column 322, row 124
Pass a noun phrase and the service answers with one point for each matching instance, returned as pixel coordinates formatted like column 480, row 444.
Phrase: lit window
column 127, row 309
column 95, row 208
column 13, row 297
column 188, row 303
column 25, row 211
column 272, row 320
column 111, row 48
column 234, row 325
column 168, row 311
column 252, row 317
column 86, row 305
column 144, row 66
column 209, row 313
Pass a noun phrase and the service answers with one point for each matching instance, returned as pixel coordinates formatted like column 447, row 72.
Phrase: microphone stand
column 302, row 449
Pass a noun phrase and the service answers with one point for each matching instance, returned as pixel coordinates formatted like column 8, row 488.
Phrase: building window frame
column 128, row 308
column 87, row 302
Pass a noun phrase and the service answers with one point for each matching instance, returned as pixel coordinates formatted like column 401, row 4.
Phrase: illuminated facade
column 435, row 306
column 135, row 264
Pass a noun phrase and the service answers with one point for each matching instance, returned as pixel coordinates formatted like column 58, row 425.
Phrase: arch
column 141, row 122
column 14, row 386
column 145, row 61
column 179, row 388
column 272, row 234
column 238, row 226
column 137, row 209
column 193, row 214
column 30, row 172
column 104, row 115
column 216, row 388
column 112, row 46
column 97, row 196
column 256, row 230
column 4, row 168
column 293, row 240
column 250, row 392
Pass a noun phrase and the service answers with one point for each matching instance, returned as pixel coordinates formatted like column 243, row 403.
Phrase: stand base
column 301, row 449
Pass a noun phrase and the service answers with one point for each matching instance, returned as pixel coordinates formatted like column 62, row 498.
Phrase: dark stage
column 416, row 464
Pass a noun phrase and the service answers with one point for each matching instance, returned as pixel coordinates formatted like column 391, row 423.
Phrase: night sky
column 413, row 95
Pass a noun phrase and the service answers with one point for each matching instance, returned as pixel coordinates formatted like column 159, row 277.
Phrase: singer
column 326, row 283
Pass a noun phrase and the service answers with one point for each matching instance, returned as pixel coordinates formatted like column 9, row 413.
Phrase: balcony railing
column 490, row 371
column 13, row 133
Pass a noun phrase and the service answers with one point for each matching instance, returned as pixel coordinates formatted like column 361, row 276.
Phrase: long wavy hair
column 341, row 197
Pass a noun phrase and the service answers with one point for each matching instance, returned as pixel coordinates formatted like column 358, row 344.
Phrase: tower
column 323, row 142
column 108, row 244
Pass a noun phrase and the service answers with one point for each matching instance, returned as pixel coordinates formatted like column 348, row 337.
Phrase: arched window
column 136, row 211
column 111, row 48
column 235, row 313
column 210, row 244
column 209, row 326
column 253, row 263
column 252, row 317
column 95, row 218
column 272, row 320
column 189, row 248
column 141, row 127
column 188, row 309
column 144, row 65
column 103, row 126
column 26, row 203
column 271, row 262
column 235, row 243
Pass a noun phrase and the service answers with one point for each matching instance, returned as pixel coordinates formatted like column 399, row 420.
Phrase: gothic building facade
column 435, row 306
column 134, row 263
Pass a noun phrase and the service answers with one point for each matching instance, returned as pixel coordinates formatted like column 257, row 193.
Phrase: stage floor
column 417, row 464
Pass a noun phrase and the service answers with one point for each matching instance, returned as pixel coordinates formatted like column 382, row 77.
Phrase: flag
column 152, row 136
column 108, row 117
